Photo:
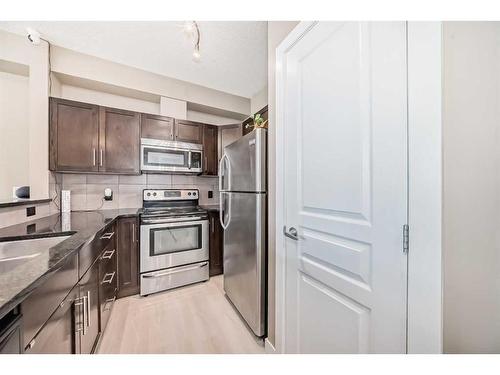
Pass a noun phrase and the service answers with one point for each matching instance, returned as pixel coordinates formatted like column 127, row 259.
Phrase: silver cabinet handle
column 107, row 236
column 109, row 302
column 93, row 156
column 206, row 165
column 108, row 278
column 133, row 232
column 291, row 233
column 100, row 157
column 108, row 254
column 82, row 301
column 213, row 223
column 88, row 308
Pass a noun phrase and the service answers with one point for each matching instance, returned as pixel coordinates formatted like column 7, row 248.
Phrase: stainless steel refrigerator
column 243, row 203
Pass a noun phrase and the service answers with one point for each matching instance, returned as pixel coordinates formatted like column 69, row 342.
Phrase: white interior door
column 343, row 115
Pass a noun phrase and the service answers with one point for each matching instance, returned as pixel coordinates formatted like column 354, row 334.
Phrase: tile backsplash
column 87, row 190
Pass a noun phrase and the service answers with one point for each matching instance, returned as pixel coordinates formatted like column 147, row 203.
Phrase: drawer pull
column 108, row 303
column 171, row 272
column 108, row 278
column 107, row 236
column 108, row 254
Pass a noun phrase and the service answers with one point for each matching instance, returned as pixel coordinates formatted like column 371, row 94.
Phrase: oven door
column 166, row 245
column 169, row 159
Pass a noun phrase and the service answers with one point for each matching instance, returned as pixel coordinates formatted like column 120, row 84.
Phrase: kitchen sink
column 14, row 253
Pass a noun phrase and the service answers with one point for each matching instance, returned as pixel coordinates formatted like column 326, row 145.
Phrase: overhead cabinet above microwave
column 87, row 138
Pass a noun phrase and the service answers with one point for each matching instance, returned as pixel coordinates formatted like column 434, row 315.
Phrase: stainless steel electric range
column 174, row 240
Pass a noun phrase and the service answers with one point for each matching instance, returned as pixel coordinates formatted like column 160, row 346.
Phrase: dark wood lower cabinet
column 108, row 285
column 60, row 334
column 127, row 247
column 216, row 249
column 89, row 295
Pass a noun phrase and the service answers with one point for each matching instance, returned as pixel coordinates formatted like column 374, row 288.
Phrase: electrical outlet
column 108, row 194
column 210, row 194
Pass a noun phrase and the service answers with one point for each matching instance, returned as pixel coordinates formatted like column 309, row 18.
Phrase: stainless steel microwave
column 168, row 156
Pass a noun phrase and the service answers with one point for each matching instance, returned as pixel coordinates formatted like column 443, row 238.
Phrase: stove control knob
column 189, row 193
column 148, row 194
column 154, row 194
column 194, row 192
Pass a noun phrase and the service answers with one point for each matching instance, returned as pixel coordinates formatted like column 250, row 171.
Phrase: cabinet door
column 188, row 131
column 157, row 127
column 128, row 257
column 108, row 285
column 89, row 292
column 216, row 245
column 119, row 141
column 73, row 136
column 210, row 162
column 60, row 335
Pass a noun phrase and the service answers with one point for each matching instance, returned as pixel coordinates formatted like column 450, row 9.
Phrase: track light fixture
column 192, row 30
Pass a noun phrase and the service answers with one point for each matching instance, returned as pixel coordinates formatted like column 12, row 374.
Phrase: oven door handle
column 177, row 270
column 177, row 220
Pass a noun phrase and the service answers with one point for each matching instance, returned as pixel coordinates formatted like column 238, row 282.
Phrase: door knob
column 291, row 233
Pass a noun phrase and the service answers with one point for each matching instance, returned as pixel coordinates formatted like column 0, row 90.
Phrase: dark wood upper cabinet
column 128, row 257
column 247, row 125
column 157, row 127
column 210, row 159
column 74, row 136
column 119, row 141
column 188, row 131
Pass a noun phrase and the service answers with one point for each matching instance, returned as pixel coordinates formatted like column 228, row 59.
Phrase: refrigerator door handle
column 222, row 211
column 223, row 172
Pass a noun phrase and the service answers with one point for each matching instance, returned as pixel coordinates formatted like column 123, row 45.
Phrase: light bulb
column 196, row 55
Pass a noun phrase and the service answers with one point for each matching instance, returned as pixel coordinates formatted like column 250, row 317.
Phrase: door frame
column 424, row 82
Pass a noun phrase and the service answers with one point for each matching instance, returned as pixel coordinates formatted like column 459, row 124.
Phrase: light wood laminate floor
column 192, row 319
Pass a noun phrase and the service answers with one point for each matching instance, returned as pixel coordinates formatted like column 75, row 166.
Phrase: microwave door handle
column 189, row 159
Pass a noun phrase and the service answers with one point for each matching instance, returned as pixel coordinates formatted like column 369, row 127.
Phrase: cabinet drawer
column 45, row 299
column 92, row 251
column 59, row 334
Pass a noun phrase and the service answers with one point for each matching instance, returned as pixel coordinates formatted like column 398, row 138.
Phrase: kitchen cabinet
column 88, row 138
column 108, row 285
column 157, row 127
column 127, row 247
column 89, row 294
column 119, row 141
column 188, row 131
column 74, row 136
column 11, row 338
column 216, row 246
column 247, row 125
column 210, row 142
column 61, row 333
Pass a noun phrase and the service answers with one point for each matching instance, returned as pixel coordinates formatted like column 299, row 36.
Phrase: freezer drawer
column 169, row 278
column 244, row 220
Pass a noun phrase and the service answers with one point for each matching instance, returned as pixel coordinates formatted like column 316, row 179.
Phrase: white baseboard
column 270, row 349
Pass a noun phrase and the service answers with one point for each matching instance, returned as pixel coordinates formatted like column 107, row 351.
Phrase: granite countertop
column 82, row 226
column 210, row 207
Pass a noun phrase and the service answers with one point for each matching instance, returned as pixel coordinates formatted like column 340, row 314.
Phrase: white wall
column 17, row 49
column 471, row 187
column 425, row 187
column 74, row 64
column 277, row 31
column 259, row 100
column 14, row 133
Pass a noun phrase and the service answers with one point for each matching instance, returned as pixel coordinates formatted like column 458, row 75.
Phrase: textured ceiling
column 233, row 54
